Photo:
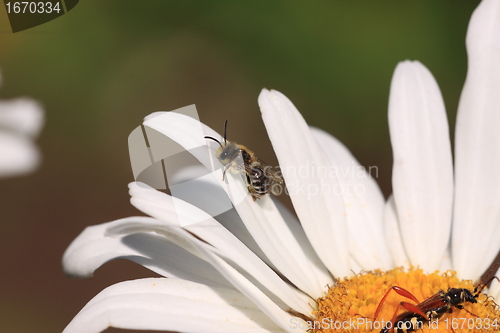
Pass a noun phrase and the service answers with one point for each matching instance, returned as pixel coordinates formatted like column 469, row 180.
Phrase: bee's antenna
column 487, row 278
column 209, row 137
column 225, row 127
column 482, row 285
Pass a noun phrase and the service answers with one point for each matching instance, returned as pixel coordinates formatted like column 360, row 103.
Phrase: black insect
column 432, row 308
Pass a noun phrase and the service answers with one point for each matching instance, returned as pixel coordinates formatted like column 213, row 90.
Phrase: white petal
column 186, row 131
column 283, row 242
column 355, row 267
column 278, row 241
column 393, row 235
column 170, row 305
column 229, row 219
column 363, row 201
column 497, row 296
column 319, row 209
column 286, row 245
column 96, row 245
column 446, row 264
column 322, row 274
column 198, row 197
column 477, row 148
column 208, row 253
column 22, row 115
column 265, row 304
column 162, row 207
column 422, row 174
column 154, row 114
column 18, row 155
column 190, row 134
column 232, row 222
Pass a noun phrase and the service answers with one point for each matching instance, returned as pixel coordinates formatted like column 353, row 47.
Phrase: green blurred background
column 101, row 68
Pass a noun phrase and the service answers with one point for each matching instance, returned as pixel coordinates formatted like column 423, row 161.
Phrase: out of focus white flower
column 21, row 120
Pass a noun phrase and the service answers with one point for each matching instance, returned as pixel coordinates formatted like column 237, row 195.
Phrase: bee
column 259, row 177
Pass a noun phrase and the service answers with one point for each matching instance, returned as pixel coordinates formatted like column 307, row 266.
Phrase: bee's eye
column 223, row 155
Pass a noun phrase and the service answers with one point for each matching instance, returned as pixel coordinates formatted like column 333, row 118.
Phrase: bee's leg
column 225, row 169
column 251, row 189
column 462, row 308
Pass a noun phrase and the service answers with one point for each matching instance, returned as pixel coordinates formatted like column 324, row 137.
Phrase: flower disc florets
column 351, row 304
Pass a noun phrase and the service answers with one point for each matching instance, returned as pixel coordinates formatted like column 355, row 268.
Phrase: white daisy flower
column 258, row 268
column 21, row 120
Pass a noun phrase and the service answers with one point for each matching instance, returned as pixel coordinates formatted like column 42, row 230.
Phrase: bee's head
column 227, row 152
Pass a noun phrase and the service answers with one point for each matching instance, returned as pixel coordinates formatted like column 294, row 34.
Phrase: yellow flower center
column 351, row 304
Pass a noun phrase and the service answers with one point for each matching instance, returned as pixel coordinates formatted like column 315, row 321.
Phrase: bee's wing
column 270, row 172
